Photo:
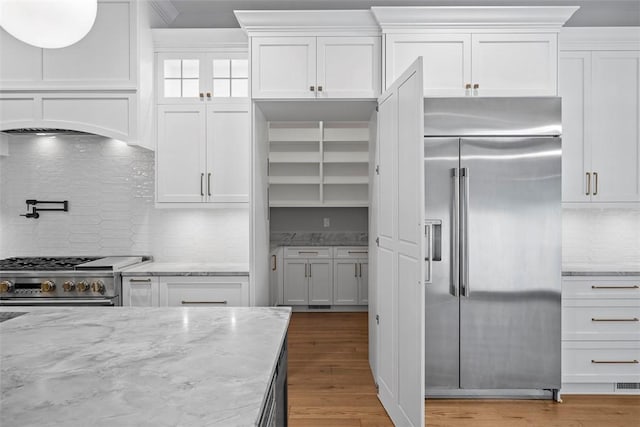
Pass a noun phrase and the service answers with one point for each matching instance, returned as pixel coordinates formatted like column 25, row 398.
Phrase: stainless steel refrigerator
column 493, row 236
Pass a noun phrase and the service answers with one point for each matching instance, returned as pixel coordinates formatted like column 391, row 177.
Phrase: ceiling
column 219, row 13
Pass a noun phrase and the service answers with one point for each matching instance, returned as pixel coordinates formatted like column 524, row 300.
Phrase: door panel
column 363, row 284
column 345, row 283
column 320, row 282
column 296, row 284
column 441, row 158
column 510, row 312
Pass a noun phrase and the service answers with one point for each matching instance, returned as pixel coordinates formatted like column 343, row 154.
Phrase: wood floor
column 330, row 384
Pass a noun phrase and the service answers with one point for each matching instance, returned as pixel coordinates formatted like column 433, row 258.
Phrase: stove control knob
column 97, row 286
column 47, row 286
column 6, row 286
column 68, row 286
column 82, row 286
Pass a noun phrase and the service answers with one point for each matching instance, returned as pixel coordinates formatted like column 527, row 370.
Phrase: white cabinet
column 203, row 153
column 351, row 276
column 315, row 67
column 276, row 276
column 296, row 282
column 212, row 291
column 600, row 333
column 140, row 291
column 308, row 276
column 601, row 118
column 482, row 64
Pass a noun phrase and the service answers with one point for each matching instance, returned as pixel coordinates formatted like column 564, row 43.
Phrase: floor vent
column 627, row 386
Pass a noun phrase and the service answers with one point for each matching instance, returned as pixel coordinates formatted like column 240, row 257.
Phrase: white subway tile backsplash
column 110, row 188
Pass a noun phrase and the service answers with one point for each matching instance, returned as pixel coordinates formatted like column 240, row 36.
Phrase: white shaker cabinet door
column 363, row 284
column 616, row 126
column 213, row 291
column 296, row 282
column 320, row 282
column 345, row 282
column 181, row 160
column 228, row 154
column 348, row 67
column 515, row 64
column 283, row 67
column 446, row 61
column 575, row 90
column 140, row 291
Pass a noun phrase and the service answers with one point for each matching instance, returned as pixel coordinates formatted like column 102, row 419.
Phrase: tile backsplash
column 601, row 236
column 110, row 189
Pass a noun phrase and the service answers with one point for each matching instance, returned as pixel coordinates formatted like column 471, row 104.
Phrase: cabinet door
column 575, row 90
column 616, row 126
column 296, row 283
column 348, row 67
column 181, row 161
column 345, row 282
column 228, row 154
column 446, row 64
column 515, row 64
column 283, row 67
column 363, row 283
column 320, row 282
column 215, row 291
column 182, row 77
column 140, row 292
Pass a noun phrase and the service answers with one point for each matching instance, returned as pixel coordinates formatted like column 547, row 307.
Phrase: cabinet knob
column 201, row 94
column 476, row 86
column 209, row 95
column 467, row 86
column 319, row 88
column 312, row 88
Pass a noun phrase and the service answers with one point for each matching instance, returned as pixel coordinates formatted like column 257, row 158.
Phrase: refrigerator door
column 441, row 159
column 510, row 263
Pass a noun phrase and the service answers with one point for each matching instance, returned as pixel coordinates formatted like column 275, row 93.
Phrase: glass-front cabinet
column 186, row 78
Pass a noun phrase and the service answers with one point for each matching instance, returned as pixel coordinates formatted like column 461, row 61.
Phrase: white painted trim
column 599, row 38
column 198, row 38
column 4, row 144
column 391, row 17
column 165, row 10
column 295, row 22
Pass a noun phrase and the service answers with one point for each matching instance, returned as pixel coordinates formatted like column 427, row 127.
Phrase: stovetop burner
column 43, row 263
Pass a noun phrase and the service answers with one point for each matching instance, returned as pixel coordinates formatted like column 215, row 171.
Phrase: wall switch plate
column 326, row 222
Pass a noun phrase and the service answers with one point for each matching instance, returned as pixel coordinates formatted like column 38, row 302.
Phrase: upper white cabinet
column 313, row 54
column 600, row 93
column 106, row 58
column 315, row 67
column 475, row 51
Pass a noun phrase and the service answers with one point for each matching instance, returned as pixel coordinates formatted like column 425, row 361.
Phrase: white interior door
column 400, row 268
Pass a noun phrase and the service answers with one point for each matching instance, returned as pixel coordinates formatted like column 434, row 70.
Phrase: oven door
column 59, row 302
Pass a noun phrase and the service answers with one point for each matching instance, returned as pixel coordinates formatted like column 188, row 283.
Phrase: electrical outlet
column 326, row 222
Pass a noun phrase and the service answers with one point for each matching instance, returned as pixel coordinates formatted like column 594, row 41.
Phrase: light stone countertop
column 99, row 366
column 187, row 269
column 593, row 269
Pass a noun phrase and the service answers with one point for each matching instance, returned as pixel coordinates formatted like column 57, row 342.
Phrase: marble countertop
column 593, row 269
column 319, row 239
column 98, row 366
column 187, row 269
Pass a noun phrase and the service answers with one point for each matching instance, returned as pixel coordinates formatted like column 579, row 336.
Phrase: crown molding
column 261, row 22
column 165, row 9
column 195, row 38
column 599, row 38
column 427, row 17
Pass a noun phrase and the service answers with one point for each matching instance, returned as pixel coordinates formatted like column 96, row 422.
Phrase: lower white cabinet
column 186, row 291
column 308, row 282
column 350, row 282
column 601, row 334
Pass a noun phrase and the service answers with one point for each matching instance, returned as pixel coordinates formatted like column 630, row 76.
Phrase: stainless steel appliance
column 493, row 211
column 63, row 281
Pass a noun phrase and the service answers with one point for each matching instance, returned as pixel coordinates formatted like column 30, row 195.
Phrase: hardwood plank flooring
column 330, row 384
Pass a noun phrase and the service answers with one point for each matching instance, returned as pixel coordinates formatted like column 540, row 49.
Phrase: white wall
column 110, row 188
column 601, row 236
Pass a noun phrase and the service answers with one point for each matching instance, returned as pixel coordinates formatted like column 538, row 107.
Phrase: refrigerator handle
column 464, row 234
column 432, row 228
column 455, row 235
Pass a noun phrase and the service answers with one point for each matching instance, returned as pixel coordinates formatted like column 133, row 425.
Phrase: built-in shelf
column 318, row 163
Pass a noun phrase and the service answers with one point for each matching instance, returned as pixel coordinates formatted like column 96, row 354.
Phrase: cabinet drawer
column 601, row 287
column 601, row 323
column 204, row 292
column 307, row 252
column 352, row 252
column 601, row 362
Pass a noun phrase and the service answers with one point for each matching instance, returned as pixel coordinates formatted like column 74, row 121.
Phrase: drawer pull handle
column 139, row 280
column 308, row 252
column 275, row 263
column 615, row 361
column 358, row 252
column 205, row 302
column 615, row 287
column 635, row 319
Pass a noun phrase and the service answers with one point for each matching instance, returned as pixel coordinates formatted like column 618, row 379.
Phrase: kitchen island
column 99, row 366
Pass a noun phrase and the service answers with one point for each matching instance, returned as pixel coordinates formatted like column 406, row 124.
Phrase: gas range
column 65, row 281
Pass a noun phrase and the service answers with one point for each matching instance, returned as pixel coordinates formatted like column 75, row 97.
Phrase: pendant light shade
column 48, row 23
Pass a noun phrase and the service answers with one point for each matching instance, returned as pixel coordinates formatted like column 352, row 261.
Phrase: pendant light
column 48, row 23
